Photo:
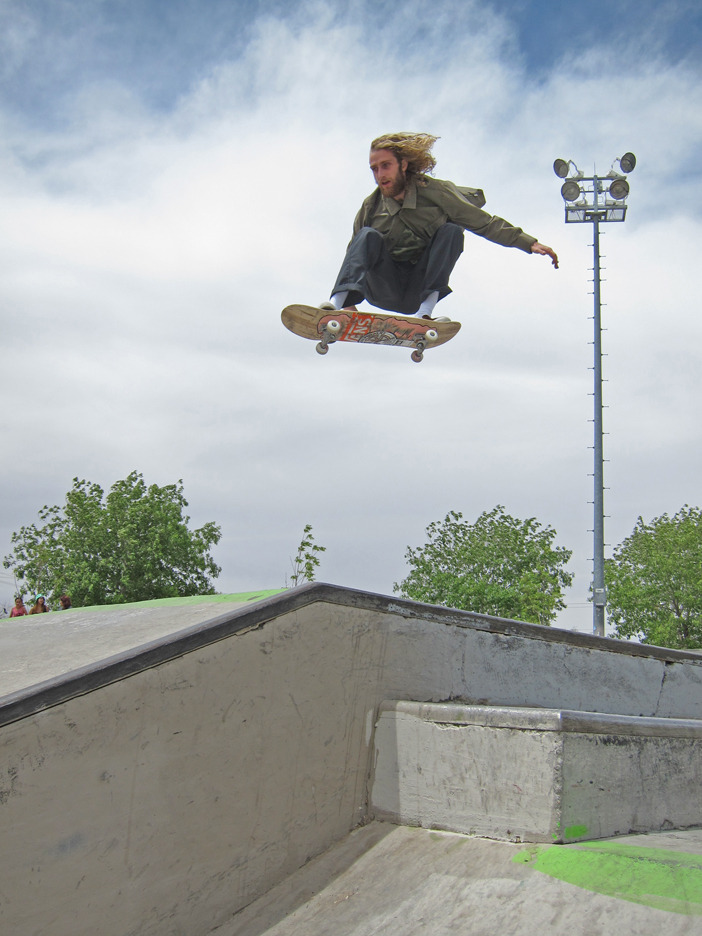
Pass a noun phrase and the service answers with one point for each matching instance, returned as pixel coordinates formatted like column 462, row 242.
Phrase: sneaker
column 330, row 307
column 439, row 318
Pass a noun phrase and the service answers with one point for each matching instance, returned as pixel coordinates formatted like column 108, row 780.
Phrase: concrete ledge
column 539, row 775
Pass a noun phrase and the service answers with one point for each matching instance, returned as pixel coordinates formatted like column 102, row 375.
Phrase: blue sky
column 551, row 31
column 174, row 173
column 159, row 48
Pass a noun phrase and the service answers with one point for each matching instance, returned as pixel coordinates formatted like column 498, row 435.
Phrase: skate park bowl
column 326, row 760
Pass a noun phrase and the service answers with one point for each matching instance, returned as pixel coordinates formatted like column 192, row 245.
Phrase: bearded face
column 389, row 173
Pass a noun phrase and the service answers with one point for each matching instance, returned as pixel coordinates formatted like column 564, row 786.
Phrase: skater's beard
column 397, row 185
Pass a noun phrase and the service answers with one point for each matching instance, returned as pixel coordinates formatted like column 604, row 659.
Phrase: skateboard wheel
column 333, row 327
column 431, row 334
column 321, row 348
column 416, row 356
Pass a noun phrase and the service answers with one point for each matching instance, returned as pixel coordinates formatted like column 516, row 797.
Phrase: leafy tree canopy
column 654, row 581
column 132, row 545
column 498, row 565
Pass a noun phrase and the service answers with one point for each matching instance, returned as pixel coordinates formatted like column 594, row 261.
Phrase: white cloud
column 146, row 256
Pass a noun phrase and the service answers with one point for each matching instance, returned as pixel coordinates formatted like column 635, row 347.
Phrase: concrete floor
column 399, row 881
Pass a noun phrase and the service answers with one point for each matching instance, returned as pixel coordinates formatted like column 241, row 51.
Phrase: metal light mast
column 596, row 199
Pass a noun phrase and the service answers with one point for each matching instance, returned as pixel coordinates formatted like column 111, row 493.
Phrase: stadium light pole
column 595, row 199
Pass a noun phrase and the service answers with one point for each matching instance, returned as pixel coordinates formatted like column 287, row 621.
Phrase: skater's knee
column 448, row 241
column 367, row 247
column 452, row 232
column 368, row 235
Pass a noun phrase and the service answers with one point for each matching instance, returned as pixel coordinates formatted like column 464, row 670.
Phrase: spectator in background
column 64, row 603
column 39, row 606
column 19, row 609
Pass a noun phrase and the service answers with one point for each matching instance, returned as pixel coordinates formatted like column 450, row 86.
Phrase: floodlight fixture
column 570, row 190
column 560, row 167
column 619, row 189
column 627, row 162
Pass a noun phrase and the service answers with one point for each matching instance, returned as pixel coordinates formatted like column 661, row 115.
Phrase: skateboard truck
column 430, row 335
column 331, row 330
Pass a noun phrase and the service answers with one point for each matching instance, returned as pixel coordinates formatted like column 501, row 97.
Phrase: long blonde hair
column 414, row 147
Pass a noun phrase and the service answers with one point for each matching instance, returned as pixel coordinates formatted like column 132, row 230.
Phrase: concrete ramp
column 163, row 768
column 45, row 649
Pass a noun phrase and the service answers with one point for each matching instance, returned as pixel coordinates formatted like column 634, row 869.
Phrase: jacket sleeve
column 463, row 212
column 474, row 195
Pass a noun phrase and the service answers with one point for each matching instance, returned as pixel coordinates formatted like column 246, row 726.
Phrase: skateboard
column 373, row 327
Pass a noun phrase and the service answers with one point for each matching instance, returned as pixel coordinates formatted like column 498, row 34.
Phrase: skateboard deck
column 372, row 327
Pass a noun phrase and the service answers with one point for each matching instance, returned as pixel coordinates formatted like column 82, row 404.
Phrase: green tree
column 306, row 560
column 132, row 545
column 654, row 581
column 498, row 565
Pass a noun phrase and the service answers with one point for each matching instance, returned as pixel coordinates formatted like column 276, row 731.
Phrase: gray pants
column 369, row 272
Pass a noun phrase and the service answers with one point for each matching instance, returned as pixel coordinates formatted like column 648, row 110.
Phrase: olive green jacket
column 409, row 225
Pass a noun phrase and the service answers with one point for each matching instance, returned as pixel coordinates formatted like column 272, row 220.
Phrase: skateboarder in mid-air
column 408, row 233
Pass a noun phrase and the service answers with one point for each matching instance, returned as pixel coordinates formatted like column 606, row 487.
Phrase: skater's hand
column 545, row 251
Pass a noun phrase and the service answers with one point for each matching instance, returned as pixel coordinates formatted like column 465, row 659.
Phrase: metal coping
column 529, row 718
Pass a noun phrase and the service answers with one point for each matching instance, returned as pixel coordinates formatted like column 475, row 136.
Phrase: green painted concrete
column 238, row 598
column 655, row 877
column 576, row 832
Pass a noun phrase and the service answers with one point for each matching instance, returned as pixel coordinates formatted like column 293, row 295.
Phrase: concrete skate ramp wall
column 163, row 789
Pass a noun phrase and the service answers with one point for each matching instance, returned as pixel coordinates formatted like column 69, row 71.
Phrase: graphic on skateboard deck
column 373, row 327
